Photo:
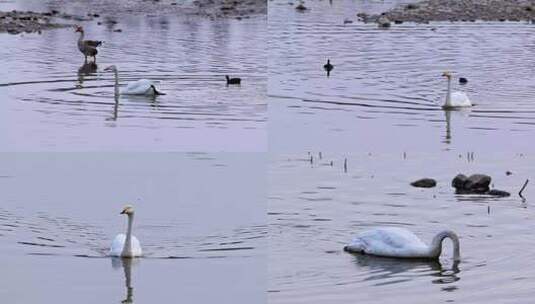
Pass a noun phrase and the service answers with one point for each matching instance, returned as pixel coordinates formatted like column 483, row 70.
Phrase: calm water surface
column 200, row 219
column 386, row 88
column 314, row 209
column 52, row 101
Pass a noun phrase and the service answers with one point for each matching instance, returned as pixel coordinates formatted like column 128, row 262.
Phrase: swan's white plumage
column 455, row 99
column 139, row 87
column 460, row 99
column 117, row 246
column 389, row 242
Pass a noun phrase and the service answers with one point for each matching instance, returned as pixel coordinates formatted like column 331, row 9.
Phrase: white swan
column 455, row 99
column 126, row 246
column 139, row 87
column 401, row 243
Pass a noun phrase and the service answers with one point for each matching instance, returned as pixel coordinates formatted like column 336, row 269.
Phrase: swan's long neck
column 448, row 94
column 436, row 244
column 127, row 249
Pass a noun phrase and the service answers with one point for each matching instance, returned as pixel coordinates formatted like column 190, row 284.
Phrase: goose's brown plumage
column 87, row 47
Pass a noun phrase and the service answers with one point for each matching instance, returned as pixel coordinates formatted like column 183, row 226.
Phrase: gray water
column 200, row 218
column 52, row 102
column 386, row 88
column 316, row 208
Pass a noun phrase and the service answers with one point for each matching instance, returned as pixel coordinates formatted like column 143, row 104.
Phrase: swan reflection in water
column 457, row 113
column 126, row 264
column 115, row 112
column 403, row 270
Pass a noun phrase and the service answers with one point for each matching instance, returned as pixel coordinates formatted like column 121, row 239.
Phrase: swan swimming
column 401, row 243
column 455, row 99
column 139, row 87
column 126, row 246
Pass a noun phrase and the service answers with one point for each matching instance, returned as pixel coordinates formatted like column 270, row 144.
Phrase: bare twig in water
column 523, row 187
column 345, row 165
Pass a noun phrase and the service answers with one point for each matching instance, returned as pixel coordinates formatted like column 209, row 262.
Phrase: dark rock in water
column 424, row 183
column 508, row 173
column 458, row 181
column 412, row 6
column 478, row 183
column 475, row 184
column 463, row 80
column 398, row 21
column 500, row 193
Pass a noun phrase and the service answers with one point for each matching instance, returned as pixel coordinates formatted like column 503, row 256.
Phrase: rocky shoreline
column 456, row 10
column 16, row 22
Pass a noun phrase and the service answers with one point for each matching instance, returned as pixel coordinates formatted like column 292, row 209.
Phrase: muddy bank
column 458, row 10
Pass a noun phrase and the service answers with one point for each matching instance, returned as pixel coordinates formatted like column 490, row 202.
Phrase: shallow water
column 315, row 209
column 386, row 88
column 200, row 219
column 52, row 101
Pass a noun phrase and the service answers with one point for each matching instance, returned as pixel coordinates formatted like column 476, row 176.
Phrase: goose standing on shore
column 87, row 47
column 126, row 246
column 139, row 87
column 401, row 243
column 455, row 99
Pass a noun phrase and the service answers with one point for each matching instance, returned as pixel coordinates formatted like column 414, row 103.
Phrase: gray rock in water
column 475, row 184
column 424, row 183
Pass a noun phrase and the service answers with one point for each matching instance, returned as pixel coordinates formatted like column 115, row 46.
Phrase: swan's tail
column 156, row 92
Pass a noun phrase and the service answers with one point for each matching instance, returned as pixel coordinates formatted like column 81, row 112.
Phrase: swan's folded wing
column 136, row 247
column 391, row 241
column 460, row 99
column 117, row 245
column 139, row 87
